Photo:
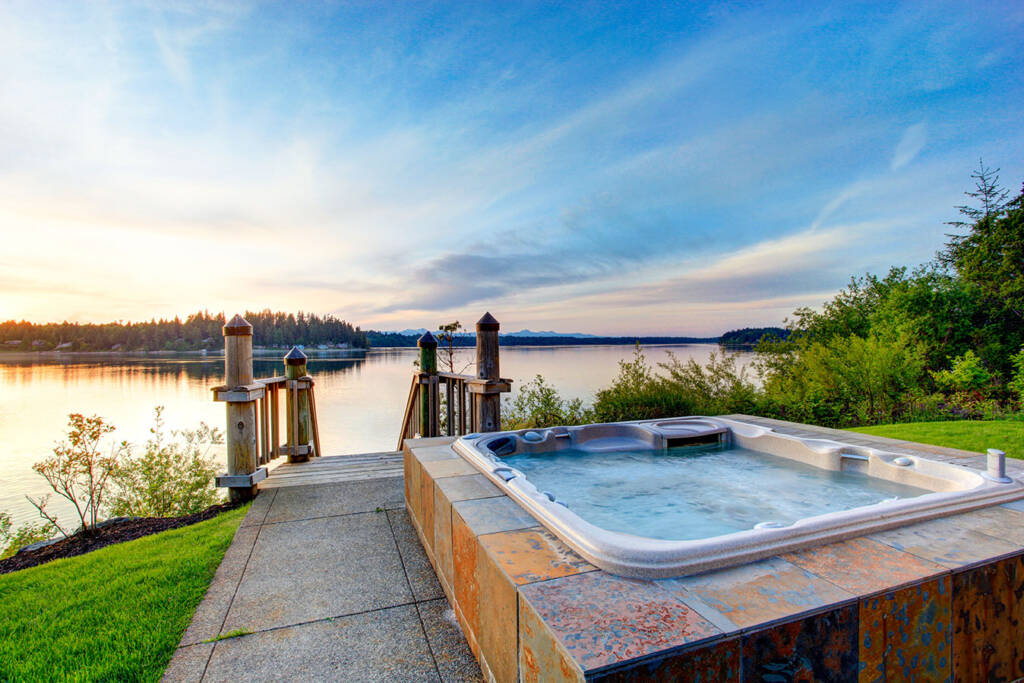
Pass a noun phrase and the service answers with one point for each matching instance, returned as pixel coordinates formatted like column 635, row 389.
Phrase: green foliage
column 169, row 478
column 538, row 404
column 967, row 374
column 1017, row 382
column 850, row 312
column 636, row 393
column 749, row 336
column 229, row 635
column 200, row 330
column 849, row 381
column 79, row 471
column 681, row 388
column 12, row 540
column 991, row 255
column 446, row 340
column 115, row 614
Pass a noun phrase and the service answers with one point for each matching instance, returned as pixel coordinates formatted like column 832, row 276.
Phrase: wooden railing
column 472, row 403
column 268, row 417
column 254, row 413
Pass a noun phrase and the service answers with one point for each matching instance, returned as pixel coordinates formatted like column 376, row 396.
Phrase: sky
column 609, row 168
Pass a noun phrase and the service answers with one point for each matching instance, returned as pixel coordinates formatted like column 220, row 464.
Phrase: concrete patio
column 332, row 584
column 326, row 578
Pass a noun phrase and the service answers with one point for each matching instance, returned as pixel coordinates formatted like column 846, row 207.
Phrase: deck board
column 332, row 469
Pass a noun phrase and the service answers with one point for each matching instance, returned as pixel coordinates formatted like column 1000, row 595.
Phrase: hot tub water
column 696, row 492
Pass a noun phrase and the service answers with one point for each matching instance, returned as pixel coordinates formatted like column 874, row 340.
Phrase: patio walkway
column 329, row 580
column 332, row 583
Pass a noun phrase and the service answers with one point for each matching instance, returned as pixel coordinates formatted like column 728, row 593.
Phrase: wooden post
column 240, row 436
column 296, row 407
column 429, row 410
column 488, row 398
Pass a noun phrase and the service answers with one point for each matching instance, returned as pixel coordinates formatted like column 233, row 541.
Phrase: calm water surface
column 360, row 399
column 697, row 492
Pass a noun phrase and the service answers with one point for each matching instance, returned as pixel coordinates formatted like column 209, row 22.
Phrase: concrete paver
column 422, row 579
column 318, row 568
column 209, row 616
column 389, row 643
column 326, row 500
column 455, row 663
column 331, row 589
column 189, row 663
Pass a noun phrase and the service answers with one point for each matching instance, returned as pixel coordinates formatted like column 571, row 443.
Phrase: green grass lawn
column 968, row 435
column 113, row 614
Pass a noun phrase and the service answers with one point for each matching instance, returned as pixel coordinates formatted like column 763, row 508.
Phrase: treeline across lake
column 198, row 331
column 750, row 336
column 389, row 339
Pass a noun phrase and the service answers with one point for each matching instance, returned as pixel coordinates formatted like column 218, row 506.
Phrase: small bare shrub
column 79, row 471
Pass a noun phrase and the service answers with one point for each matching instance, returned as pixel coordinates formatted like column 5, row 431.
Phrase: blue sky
column 640, row 168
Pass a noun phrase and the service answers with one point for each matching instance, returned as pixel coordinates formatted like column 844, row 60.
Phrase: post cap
column 295, row 357
column 427, row 341
column 487, row 323
column 237, row 327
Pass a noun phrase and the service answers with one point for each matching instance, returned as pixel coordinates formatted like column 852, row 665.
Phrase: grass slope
column 114, row 614
column 968, row 435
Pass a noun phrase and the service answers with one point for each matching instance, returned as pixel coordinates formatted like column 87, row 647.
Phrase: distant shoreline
column 328, row 353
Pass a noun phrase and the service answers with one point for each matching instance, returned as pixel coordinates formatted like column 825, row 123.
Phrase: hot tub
column 670, row 497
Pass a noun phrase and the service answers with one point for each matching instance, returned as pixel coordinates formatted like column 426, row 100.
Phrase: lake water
column 359, row 399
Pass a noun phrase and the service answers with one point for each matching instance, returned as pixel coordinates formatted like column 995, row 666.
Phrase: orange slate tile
column 862, row 566
column 541, row 657
column 759, row 592
column 906, row 635
column 988, row 622
column 532, row 555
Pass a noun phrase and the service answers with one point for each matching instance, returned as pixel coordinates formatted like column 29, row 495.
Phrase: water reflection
column 360, row 397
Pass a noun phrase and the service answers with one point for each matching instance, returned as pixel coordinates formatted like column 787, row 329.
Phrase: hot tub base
column 934, row 600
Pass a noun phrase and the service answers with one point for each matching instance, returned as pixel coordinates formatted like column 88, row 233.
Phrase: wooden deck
column 332, row 469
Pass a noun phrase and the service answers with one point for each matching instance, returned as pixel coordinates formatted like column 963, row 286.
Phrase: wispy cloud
column 910, row 145
column 399, row 165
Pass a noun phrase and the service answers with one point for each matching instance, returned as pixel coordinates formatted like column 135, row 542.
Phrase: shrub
column 967, row 374
column 850, row 381
column 538, row 404
column 1017, row 381
column 79, row 472
column 637, row 393
column 717, row 387
column 683, row 388
column 26, row 534
column 170, row 478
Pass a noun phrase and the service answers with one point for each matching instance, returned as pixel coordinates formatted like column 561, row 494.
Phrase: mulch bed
column 116, row 532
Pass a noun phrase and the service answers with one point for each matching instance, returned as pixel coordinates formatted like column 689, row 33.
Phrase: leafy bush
column 12, row 540
column 1017, row 382
column 967, row 374
column 637, row 393
column 170, row 478
column 79, row 472
column 538, row 404
column 682, row 388
column 961, row 405
column 717, row 387
column 850, row 381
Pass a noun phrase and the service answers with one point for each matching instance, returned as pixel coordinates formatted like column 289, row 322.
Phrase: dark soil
column 116, row 532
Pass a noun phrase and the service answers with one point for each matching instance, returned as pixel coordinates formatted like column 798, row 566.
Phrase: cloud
column 331, row 158
column 910, row 145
